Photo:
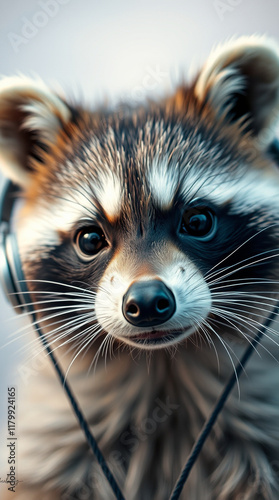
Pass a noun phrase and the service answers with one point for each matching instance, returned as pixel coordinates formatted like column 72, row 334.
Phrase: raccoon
column 149, row 239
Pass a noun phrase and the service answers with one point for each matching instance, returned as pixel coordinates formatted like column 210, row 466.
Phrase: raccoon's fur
column 175, row 202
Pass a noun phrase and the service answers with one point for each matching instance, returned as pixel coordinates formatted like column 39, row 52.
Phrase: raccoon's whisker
column 244, row 281
column 76, row 320
column 253, row 330
column 209, row 273
column 244, row 321
column 25, row 331
column 257, row 290
column 252, row 338
column 56, row 294
column 250, row 264
column 89, row 345
column 58, row 300
column 87, row 293
column 96, row 356
column 241, row 304
column 215, row 320
column 89, row 341
column 255, row 279
column 251, row 315
column 76, row 336
column 203, row 326
column 246, row 296
column 61, row 309
column 96, row 287
column 105, row 349
column 200, row 326
column 244, row 293
column 227, row 348
column 78, row 343
column 52, row 316
column 244, row 300
column 209, row 340
column 29, row 349
column 220, row 286
column 232, row 323
column 248, row 319
column 200, row 339
column 262, row 346
column 226, row 268
column 27, row 346
column 111, row 342
column 238, row 308
column 65, row 325
column 80, row 335
column 49, row 282
column 30, row 343
column 49, row 335
column 62, row 320
column 73, row 347
column 67, row 330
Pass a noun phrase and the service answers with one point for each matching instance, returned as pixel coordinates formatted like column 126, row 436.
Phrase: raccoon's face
column 150, row 225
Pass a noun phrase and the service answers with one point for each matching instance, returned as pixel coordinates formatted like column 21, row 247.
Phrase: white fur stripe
column 163, row 181
column 109, row 193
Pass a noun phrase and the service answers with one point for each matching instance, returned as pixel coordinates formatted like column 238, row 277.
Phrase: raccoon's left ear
column 31, row 118
column 240, row 81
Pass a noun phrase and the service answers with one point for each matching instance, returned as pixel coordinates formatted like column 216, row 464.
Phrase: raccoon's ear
column 31, row 117
column 240, row 81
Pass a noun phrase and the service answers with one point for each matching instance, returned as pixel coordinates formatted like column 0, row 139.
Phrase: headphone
column 12, row 278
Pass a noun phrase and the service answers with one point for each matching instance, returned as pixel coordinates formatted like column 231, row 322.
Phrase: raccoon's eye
column 90, row 240
column 198, row 221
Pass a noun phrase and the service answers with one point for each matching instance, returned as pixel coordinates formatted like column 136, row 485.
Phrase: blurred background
column 112, row 50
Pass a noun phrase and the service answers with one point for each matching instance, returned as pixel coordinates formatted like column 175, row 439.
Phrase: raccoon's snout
column 148, row 303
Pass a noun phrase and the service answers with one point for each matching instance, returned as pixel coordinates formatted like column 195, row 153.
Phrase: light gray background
column 114, row 49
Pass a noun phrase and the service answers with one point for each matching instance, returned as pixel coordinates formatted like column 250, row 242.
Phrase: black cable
column 207, row 427
column 81, row 419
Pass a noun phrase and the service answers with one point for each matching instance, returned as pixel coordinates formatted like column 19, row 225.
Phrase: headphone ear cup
column 11, row 274
column 6, row 277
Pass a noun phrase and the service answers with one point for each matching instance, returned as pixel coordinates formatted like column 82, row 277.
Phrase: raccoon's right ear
column 31, row 117
column 240, row 82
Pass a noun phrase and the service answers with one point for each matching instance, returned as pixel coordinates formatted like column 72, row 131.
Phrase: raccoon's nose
column 148, row 303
